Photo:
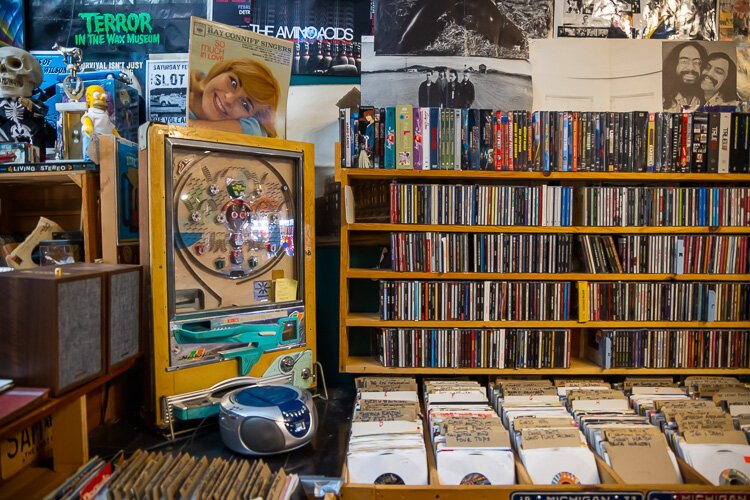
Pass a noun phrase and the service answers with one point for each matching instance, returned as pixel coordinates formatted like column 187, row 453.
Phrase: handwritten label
column 387, row 414
column 541, row 423
column 473, row 433
column 631, row 382
column 529, row 391
column 386, row 383
column 550, row 438
column 584, row 395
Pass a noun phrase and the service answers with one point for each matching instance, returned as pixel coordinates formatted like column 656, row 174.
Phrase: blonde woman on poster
column 238, row 95
column 238, row 80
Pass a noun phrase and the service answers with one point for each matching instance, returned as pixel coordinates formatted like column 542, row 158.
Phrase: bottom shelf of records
column 623, row 351
column 533, row 439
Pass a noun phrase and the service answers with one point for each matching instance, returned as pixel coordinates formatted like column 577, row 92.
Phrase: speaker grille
column 261, row 435
column 79, row 314
column 124, row 316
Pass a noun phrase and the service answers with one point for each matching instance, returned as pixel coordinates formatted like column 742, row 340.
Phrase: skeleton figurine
column 96, row 119
column 21, row 118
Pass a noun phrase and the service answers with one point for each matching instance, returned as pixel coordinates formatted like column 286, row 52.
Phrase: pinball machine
column 227, row 228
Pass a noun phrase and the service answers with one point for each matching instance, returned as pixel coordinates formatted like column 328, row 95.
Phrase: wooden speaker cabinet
column 52, row 327
column 123, row 285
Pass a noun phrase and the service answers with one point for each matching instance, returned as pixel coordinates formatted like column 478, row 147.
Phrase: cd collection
column 471, row 445
column 659, row 301
column 481, row 205
column 474, row 300
column 663, row 206
column 464, row 348
column 671, row 348
column 482, row 253
column 404, row 137
column 680, row 254
column 148, row 474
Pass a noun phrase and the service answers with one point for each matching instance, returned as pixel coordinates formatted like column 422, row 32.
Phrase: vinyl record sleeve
column 388, row 467
column 572, row 465
column 475, row 466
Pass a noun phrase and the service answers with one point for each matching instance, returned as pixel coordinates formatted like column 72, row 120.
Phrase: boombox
column 267, row 419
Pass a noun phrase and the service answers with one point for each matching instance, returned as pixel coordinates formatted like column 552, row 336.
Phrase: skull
column 20, row 72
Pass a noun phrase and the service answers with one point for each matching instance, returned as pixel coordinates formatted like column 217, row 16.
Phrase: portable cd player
column 267, row 419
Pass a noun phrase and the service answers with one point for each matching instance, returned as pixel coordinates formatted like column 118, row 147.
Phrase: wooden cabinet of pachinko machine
column 227, row 234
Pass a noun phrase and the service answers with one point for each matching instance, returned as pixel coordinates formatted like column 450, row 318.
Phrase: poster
column 616, row 75
column 495, row 83
column 166, row 91
column 734, row 25
column 696, row 74
column 326, row 32
column 238, row 81
column 679, row 19
column 113, row 35
column 11, row 23
column 597, row 18
column 499, row 28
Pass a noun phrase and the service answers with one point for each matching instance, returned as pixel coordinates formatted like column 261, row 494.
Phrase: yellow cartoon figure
column 96, row 119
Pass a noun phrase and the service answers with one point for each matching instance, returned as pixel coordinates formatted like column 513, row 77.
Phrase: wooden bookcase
column 352, row 232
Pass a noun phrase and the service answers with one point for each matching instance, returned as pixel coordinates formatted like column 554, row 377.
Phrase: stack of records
column 550, row 446
column 647, row 394
column 626, row 441
column 166, row 475
column 736, row 402
column 706, row 437
column 386, row 445
column 471, row 445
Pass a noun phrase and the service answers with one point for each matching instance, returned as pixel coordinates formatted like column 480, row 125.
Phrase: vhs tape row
column 474, row 300
column 680, row 254
column 463, row 348
column 671, row 348
column 405, row 137
column 481, row 205
column 483, row 253
column 663, row 206
column 661, row 301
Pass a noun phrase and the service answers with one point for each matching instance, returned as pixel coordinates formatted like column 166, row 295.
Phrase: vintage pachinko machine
column 227, row 232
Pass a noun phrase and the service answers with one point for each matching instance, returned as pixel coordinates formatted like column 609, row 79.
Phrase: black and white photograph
column 679, row 19
column 482, row 28
column 449, row 82
column 698, row 74
column 166, row 91
column 596, row 18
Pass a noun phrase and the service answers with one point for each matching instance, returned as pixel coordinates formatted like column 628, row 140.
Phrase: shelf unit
column 354, row 230
column 67, row 193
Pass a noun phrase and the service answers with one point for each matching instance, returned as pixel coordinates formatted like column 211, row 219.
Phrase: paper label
column 386, row 383
column 542, row 423
column 285, row 290
column 550, row 438
column 473, row 433
column 404, row 413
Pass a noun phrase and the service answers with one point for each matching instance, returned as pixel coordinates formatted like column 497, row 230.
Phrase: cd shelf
column 363, row 189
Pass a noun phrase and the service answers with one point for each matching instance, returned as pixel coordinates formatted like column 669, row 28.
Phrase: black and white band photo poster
column 447, row 82
column 166, row 90
column 481, row 28
column 699, row 75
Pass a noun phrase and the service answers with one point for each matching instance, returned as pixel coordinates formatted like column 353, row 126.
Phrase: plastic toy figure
column 96, row 119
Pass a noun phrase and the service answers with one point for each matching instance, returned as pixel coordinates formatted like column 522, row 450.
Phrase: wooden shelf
column 354, row 173
column 372, row 320
column 362, row 226
column 34, row 482
column 367, row 364
column 53, row 404
column 358, row 273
